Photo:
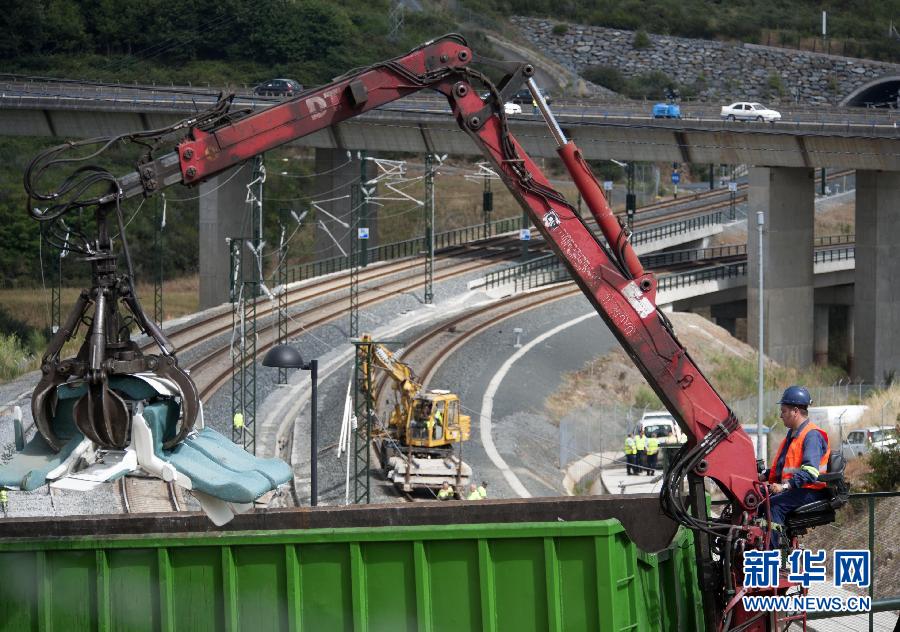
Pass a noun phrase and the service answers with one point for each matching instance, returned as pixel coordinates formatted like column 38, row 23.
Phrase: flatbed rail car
column 541, row 564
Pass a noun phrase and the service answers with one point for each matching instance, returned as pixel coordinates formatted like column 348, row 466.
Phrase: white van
column 863, row 440
column 663, row 425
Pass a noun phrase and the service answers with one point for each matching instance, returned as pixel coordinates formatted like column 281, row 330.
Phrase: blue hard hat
column 796, row 396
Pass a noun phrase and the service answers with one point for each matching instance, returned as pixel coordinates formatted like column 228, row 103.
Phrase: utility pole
column 259, row 178
column 395, row 20
column 487, row 204
column 243, row 350
column 53, row 261
column 760, row 221
column 158, row 249
column 429, row 228
column 630, row 197
column 363, row 408
column 282, row 282
column 732, row 194
column 357, row 247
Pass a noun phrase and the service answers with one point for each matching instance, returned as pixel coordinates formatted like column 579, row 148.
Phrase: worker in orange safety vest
column 801, row 458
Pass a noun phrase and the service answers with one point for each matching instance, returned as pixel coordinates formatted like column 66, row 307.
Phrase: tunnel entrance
column 880, row 93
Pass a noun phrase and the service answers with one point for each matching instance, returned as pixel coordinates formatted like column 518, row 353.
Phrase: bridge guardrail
column 672, row 257
column 549, row 269
column 189, row 97
column 834, row 254
column 674, row 228
column 714, row 273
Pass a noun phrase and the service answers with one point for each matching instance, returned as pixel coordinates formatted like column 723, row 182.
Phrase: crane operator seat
column 821, row 512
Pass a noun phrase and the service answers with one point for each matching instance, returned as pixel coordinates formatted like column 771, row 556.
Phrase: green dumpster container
column 550, row 575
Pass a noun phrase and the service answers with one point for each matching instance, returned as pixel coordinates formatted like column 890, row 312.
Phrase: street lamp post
column 760, row 222
column 287, row 357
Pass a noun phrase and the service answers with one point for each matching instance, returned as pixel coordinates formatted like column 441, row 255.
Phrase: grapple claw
column 103, row 417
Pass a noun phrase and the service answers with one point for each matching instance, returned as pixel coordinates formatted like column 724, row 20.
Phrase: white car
column 512, row 108
column 746, row 111
column 864, row 440
column 662, row 425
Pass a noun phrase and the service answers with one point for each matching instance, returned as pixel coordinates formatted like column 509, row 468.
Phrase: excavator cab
column 435, row 421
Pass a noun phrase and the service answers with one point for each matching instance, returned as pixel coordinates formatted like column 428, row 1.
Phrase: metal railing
column 834, row 254
column 535, row 273
column 407, row 248
column 674, row 228
column 882, row 535
column 674, row 257
column 548, row 269
column 715, row 273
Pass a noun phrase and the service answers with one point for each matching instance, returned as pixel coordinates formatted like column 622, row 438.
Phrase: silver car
column 863, row 440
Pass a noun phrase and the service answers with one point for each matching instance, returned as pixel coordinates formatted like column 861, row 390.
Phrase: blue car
column 667, row 110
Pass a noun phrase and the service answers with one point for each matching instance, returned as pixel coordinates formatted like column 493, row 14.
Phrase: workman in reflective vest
column 801, row 457
column 4, row 500
column 640, row 442
column 630, row 454
column 482, row 490
column 445, row 492
column 652, row 453
column 473, row 493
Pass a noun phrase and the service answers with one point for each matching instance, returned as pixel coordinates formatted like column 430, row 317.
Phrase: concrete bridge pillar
column 785, row 195
column 223, row 214
column 339, row 171
column 876, row 312
column 821, row 335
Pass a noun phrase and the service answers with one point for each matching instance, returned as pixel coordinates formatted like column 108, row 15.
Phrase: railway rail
column 149, row 495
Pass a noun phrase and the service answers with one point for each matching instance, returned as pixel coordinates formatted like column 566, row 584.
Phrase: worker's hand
column 777, row 488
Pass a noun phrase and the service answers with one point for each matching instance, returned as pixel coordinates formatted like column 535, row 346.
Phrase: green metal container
column 583, row 575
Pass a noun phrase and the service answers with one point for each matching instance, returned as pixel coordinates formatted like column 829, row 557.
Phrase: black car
column 523, row 97
column 278, row 88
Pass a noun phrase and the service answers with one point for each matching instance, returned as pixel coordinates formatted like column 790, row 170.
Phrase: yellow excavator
column 419, row 428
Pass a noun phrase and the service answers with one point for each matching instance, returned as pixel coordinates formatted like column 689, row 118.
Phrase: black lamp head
column 284, row 357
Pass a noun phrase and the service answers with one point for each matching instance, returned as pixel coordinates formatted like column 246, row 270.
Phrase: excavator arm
column 403, row 382
column 604, row 266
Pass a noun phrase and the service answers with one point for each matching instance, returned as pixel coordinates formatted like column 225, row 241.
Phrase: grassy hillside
column 226, row 42
column 859, row 28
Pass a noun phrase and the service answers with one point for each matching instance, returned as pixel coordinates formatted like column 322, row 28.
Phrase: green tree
column 885, row 473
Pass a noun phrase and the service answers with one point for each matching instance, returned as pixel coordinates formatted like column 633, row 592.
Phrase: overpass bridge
column 722, row 288
column 781, row 190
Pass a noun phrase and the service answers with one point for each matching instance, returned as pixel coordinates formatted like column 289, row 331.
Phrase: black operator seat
column 821, row 512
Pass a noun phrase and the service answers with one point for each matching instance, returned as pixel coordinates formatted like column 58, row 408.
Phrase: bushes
column 885, row 470
column 648, row 85
column 641, row 40
column 606, row 76
column 13, row 356
column 775, row 85
column 560, row 29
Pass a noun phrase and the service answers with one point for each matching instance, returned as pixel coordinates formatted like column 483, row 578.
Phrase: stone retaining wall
column 717, row 70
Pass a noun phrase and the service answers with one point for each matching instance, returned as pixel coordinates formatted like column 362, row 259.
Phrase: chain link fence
column 869, row 521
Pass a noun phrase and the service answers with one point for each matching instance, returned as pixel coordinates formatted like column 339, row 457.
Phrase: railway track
column 211, row 371
column 429, row 350
column 149, row 495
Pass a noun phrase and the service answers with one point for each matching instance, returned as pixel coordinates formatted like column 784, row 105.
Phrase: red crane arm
column 622, row 293
column 207, row 153
column 610, row 275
